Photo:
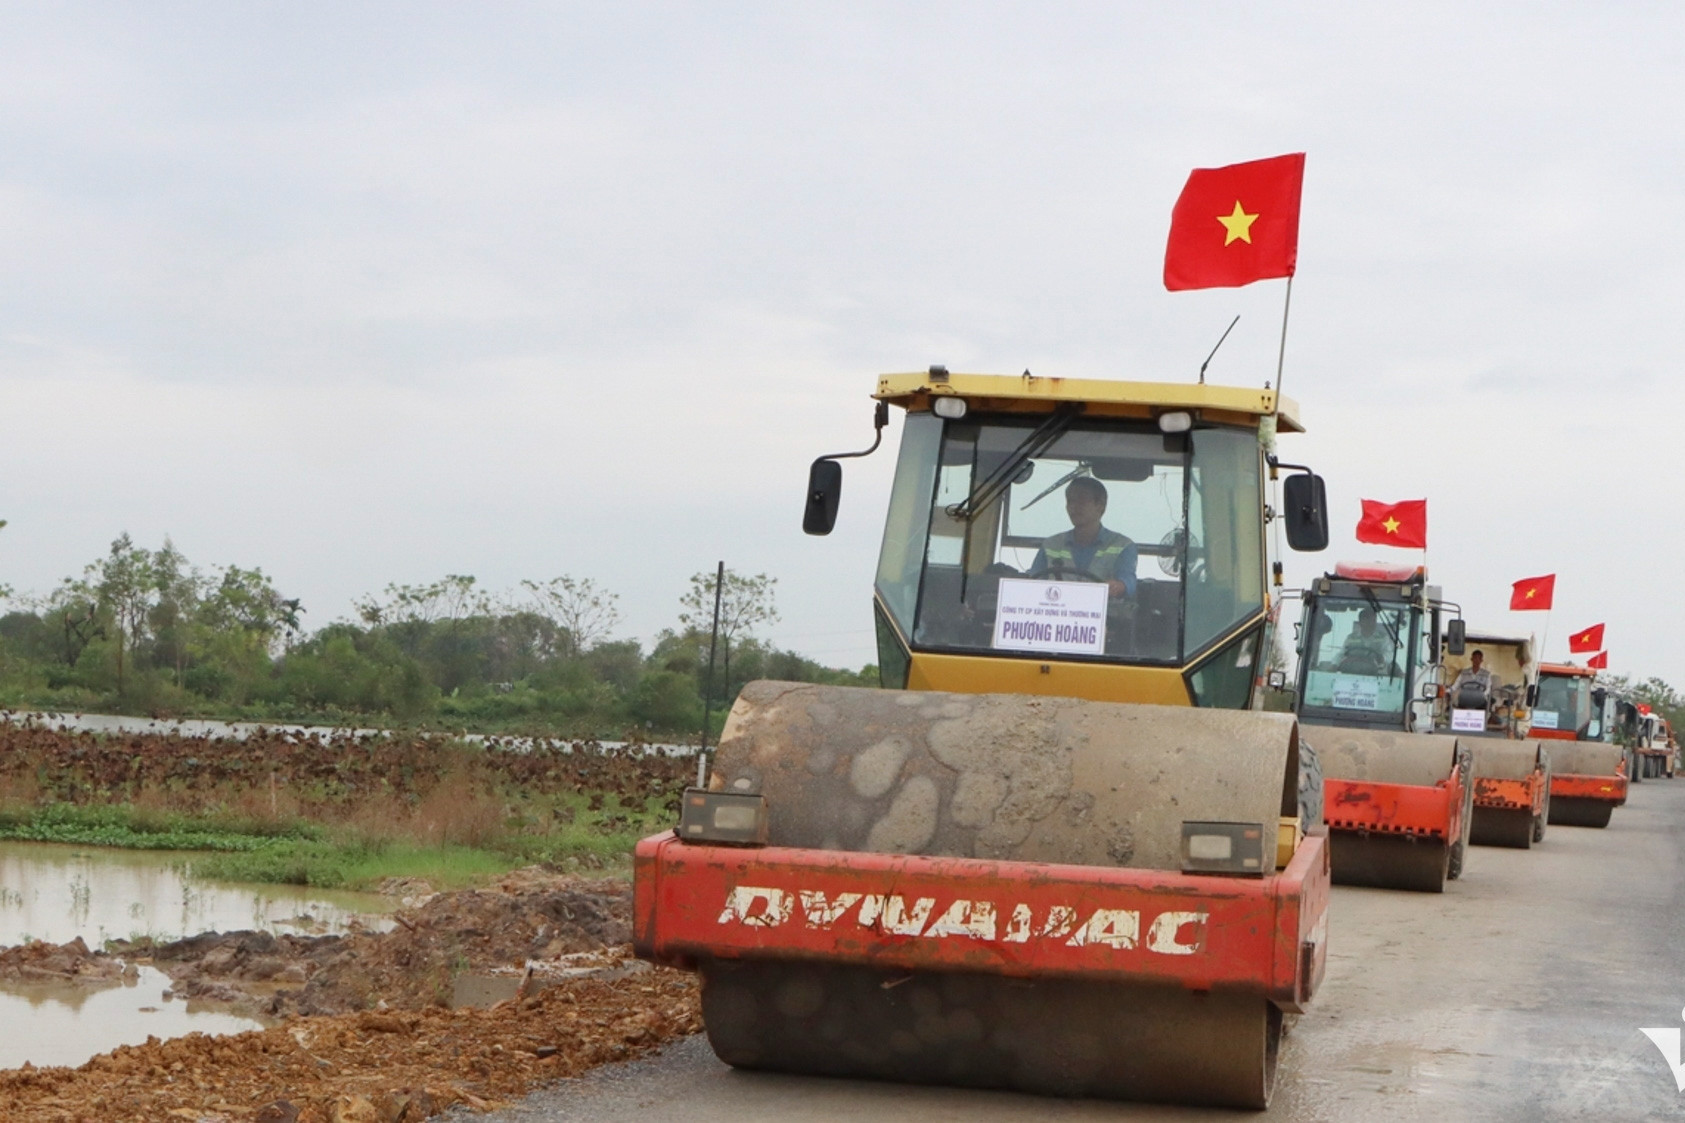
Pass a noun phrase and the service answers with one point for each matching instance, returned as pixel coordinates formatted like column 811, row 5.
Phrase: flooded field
column 60, row 893
column 56, row 893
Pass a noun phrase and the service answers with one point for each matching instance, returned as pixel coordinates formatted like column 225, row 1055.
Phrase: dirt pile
column 371, row 1067
column 38, row 961
column 530, row 914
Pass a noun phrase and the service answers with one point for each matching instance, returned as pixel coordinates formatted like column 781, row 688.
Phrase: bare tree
column 586, row 611
column 745, row 604
column 126, row 589
column 453, row 598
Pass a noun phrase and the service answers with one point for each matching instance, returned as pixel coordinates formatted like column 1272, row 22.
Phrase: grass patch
column 140, row 829
column 564, row 830
column 329, row 865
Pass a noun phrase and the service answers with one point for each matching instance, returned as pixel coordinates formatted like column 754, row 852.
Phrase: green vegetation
column 145, row 631
column 338, row 810
column 326, row 865
column 136, row 829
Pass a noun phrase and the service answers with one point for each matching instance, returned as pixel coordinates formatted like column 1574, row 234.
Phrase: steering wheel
column 1363, row 661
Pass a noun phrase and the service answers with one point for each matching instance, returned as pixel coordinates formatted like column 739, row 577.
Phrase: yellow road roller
column 1058, row 852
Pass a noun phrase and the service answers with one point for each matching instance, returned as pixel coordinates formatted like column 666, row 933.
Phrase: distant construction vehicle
column 1588, row 777
column 1511, row 776
column 1656, row 749
column 1396, row 798
column 1057, row 855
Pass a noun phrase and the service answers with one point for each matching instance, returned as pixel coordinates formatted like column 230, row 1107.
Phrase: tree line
column 146, row 631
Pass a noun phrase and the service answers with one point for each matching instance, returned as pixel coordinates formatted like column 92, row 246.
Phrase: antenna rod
column 1213, row 354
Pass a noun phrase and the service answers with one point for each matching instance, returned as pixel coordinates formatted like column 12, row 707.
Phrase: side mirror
column 1456, row 636
column 1532, row 695
column 1305, row 500
column 824, row 479
column 824, row 493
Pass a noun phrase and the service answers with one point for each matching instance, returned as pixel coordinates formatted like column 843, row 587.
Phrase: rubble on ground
column 364, row 1028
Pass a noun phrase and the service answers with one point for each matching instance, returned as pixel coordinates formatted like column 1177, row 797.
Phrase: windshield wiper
column 1080, row 469
column 996, row 483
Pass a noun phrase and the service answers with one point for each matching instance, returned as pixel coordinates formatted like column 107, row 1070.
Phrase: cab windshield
column 1108, row 541
column 1359, row 657
column 1564, row 702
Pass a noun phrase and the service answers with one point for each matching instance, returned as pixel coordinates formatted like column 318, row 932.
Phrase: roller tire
column 1060, row 1037
column 1508, row 827
column 1310, row 790
column 1581, row 812
column 1382, row 861
column 1459, row 849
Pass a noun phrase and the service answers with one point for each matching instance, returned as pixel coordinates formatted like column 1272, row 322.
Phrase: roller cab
column 1058, row 853
column 1489, row 712
column 1397, row 797
column 1588, row 774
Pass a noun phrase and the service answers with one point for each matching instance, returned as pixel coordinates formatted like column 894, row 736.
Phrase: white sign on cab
column 1468, row 721
column 1067, row 617
column 1356, row 692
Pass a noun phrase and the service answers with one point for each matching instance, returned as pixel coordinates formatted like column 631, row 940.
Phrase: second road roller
column 1397, row 796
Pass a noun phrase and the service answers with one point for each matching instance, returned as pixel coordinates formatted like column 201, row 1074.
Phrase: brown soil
column 365, row 1068
column 365, row 1034
column 531, row 914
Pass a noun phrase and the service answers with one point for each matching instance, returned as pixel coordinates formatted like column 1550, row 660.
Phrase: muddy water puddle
column 58, row 893
column 66, row 1023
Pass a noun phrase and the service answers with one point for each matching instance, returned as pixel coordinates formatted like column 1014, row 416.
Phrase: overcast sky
column 370, row 293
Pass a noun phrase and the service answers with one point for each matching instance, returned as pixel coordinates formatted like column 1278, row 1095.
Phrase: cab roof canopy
column 1390, row 573
column 1027, row 393
column 1565, row 669
column 1521, row 645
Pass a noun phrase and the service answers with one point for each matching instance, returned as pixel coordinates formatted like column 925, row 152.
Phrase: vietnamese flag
column 1533, row 594
column 1394, row 524
column 1599, row 662
column 1589, row 640
column 1643, row 708
column 1235, row 225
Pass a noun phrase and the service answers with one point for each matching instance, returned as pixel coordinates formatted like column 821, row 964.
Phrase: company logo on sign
column 1052, row 593
column 1168, row 933
column 1667, row 1040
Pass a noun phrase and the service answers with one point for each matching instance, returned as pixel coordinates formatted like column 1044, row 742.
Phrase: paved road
column 1517, row 995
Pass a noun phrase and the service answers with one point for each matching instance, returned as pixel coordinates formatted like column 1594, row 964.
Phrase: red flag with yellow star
column 1533, row 594
column 1589, row 640
column 1394, row 524
column 1599, row 662
column 1235, row 225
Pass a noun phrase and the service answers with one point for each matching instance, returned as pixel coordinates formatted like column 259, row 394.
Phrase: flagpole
column 1281, row 354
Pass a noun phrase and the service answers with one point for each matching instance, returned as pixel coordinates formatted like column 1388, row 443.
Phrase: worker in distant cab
column 1367, row 644
column 1088, row 551
column 1474, row 674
